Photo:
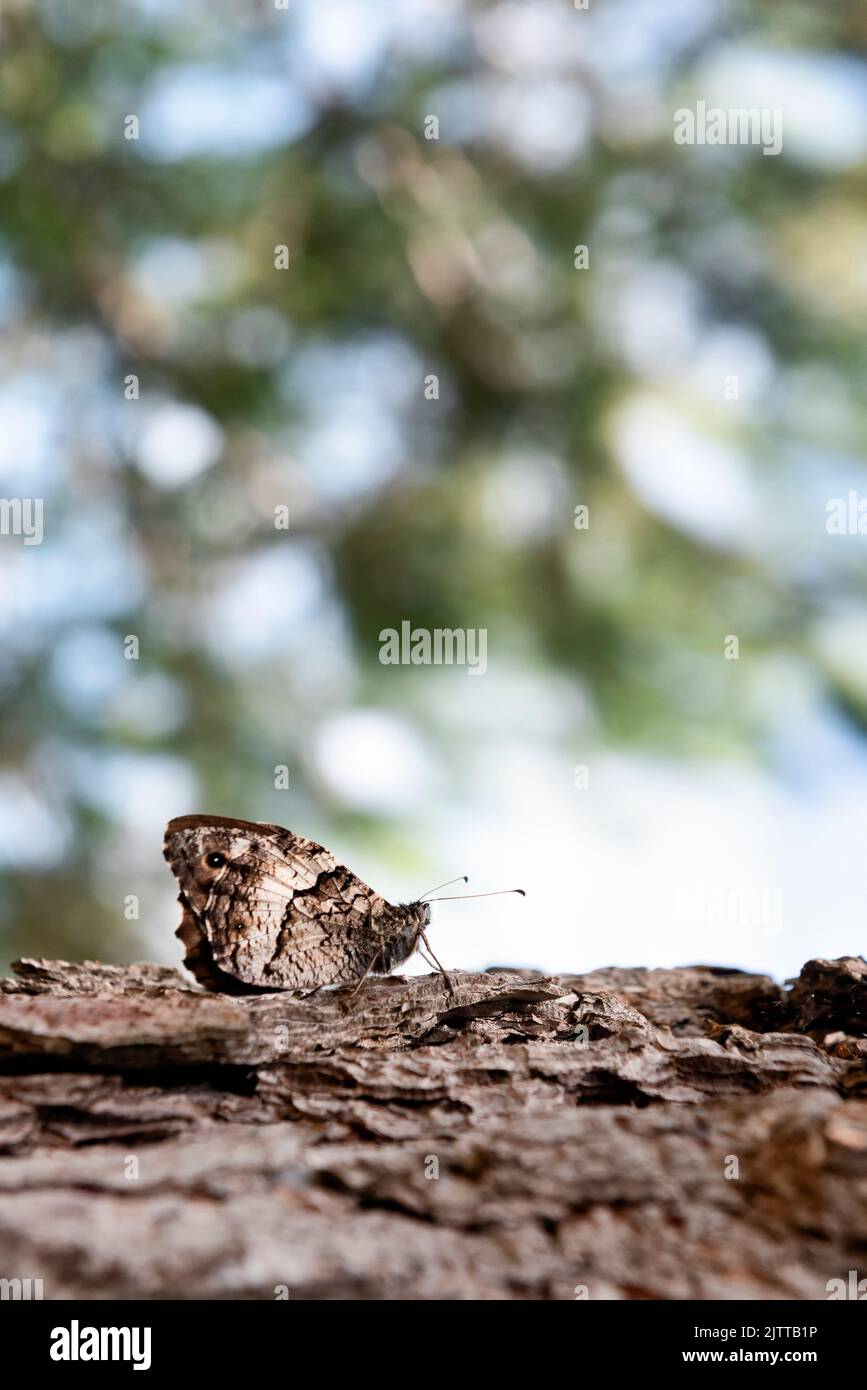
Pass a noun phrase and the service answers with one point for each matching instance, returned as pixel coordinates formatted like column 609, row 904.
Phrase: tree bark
column 690, row 1133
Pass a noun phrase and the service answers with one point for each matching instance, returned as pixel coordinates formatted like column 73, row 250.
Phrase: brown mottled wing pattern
column 266, row 909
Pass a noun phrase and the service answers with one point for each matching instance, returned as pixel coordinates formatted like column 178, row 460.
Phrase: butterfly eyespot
column 215, row 860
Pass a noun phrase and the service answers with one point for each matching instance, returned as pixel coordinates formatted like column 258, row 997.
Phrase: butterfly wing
column 264, row 909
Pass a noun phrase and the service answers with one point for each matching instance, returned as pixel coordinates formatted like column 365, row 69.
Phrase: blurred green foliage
column 408, row 258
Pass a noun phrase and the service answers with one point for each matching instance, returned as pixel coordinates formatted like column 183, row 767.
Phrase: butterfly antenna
column 462, row 878
column 461, row 897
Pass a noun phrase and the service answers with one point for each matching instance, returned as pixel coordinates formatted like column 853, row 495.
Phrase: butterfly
column 264, row 909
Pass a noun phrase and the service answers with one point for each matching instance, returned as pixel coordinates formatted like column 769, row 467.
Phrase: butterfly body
column 264, row 909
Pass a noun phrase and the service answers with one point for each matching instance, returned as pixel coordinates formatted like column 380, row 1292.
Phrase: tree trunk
column 690, row 1133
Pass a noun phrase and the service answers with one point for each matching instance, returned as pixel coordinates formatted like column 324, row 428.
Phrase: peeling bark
column 689, row 1133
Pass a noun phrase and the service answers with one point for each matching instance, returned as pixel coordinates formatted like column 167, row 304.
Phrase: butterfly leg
column 366, row 973
column 440, row 967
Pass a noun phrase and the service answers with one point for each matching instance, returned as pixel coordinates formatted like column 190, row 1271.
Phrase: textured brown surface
column 582, row 1127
